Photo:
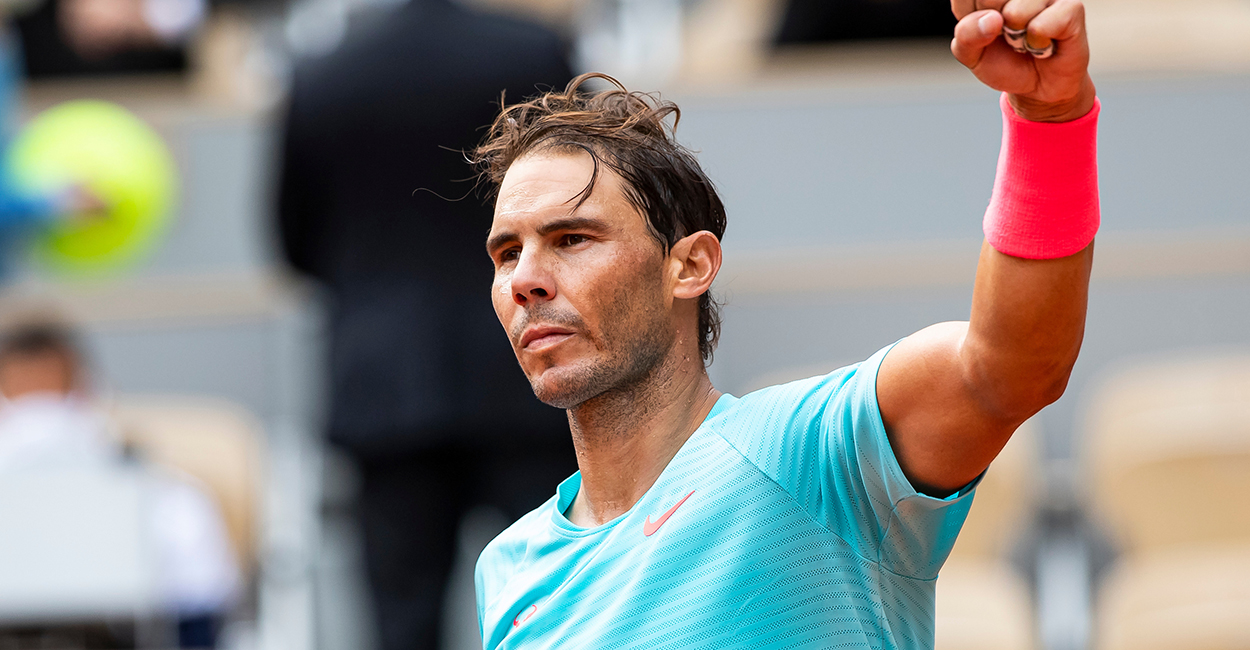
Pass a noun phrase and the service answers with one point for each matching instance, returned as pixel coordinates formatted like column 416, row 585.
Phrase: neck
column 625, row 438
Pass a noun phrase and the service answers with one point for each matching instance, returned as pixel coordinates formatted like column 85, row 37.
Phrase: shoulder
column 851, row 384
column 804, row 432
column 782, row 403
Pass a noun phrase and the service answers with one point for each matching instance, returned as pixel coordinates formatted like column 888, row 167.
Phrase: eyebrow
column 566, row 223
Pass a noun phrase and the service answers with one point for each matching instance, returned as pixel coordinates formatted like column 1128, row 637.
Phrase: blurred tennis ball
column 114, row 156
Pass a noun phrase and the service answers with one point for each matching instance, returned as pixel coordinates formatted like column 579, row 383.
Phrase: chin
column 566, row 387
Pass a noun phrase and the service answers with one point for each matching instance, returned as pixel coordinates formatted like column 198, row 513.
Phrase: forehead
column 549, row 184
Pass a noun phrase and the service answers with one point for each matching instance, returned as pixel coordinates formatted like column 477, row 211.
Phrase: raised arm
column 952, row 394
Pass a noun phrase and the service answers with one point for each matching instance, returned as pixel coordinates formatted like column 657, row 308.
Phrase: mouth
column 538, row 338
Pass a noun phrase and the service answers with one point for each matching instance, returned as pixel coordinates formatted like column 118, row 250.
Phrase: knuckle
column 1074, row 7
column 1015, row 14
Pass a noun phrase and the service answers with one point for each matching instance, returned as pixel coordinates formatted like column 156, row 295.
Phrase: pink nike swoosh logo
column 518, row 620
column 648, row 528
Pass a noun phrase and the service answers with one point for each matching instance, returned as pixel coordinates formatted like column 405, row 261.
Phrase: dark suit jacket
column 374, row 203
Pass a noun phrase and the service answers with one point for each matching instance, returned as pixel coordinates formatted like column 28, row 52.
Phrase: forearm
column 1025, row 331
column 1029, row 302
column 952, row 394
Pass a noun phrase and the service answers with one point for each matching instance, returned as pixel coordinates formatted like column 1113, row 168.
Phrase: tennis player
column 810, row 515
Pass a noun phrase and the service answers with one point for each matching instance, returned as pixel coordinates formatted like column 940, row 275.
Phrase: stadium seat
column 217, row 442
column 1188, row 598
column 983, row 604
column 1004, row 501
column 1168, row 458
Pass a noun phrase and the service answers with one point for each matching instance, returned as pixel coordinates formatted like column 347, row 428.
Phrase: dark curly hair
column 629, row 132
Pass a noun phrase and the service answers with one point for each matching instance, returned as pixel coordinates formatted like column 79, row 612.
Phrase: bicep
column 942, row 436
column 951, row 395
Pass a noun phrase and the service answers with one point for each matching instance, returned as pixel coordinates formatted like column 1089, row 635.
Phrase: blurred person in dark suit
column 425, row 396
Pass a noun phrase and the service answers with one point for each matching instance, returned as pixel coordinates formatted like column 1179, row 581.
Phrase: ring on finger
column 1040, row 53
column 1016, row 38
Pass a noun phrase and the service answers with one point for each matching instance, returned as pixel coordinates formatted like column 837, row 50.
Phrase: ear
column 694, row 261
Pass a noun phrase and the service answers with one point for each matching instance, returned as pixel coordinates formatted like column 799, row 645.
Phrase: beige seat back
column 1168, row 448
column 1192, row 598
column 1214, row 378
column 983, row 603
column 1004, row 500
column 215, row 441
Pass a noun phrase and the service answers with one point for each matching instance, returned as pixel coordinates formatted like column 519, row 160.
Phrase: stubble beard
column 624, row 371
column 634, row 344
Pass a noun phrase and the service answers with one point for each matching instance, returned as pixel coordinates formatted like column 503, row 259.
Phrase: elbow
column 1050, row 388
column 1017, row 394
column 1039, row 391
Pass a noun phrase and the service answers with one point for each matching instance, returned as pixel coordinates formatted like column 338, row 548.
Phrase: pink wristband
column 1045, row 202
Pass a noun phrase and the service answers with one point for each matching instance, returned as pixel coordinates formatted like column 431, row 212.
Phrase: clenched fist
column 1048, row 82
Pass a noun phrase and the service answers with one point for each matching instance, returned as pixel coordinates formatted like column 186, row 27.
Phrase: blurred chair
column 983, row 603
column 215, row 441
column 1168, row 464
column 74, row 547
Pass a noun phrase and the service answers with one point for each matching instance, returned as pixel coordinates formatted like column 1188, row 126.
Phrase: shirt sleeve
column 823, row 441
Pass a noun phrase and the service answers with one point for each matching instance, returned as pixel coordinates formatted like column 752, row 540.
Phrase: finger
column 1062, row 21
column 1016, row 17
column 962, row 8
column 977, row 31
column 1018, row 13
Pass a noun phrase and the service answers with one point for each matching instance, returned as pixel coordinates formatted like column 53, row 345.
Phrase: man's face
column 583, row 294
column 36, row 372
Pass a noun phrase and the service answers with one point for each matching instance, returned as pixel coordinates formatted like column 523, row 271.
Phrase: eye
column 573, row 240
column 509, row 255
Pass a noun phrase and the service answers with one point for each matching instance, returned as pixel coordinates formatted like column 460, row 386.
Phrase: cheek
column 501, row 298
column 627, row 291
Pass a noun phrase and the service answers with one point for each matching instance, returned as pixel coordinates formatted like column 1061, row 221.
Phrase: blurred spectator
column 96, row 37
column 47, row 421
column 817, row 21
column 63, row 38
column 98, row 28
column 426, row 392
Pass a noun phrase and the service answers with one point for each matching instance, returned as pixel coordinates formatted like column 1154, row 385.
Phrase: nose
column 532, row 280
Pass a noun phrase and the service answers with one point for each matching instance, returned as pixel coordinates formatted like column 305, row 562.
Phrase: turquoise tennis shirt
column 783, row 522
